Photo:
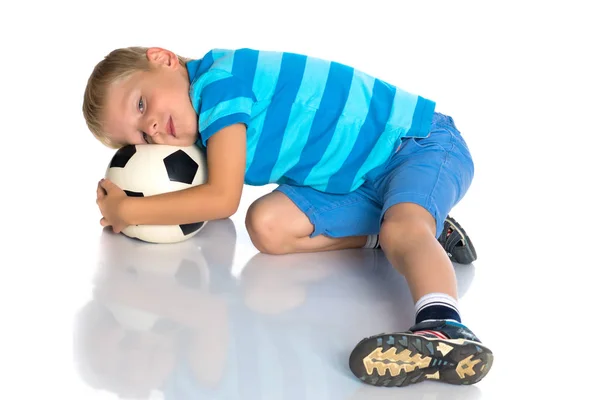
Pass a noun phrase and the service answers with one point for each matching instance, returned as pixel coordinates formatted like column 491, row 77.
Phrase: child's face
column 152, row 107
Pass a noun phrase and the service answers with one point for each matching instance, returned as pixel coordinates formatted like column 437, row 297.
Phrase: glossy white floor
column 92, row 315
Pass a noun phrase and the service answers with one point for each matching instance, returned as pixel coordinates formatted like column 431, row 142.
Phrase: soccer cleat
column 437, row 350
column 457, row 244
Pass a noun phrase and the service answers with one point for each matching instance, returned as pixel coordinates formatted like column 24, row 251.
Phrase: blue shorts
column 433, row 172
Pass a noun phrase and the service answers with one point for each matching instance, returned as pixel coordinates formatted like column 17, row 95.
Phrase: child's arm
column 218, row 198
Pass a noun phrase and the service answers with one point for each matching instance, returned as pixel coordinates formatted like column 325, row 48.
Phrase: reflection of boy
column 131, row 335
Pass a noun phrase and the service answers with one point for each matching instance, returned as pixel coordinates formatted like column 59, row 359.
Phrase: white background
column 520, row 79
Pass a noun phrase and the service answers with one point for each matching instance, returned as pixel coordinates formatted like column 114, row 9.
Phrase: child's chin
column 186, row 141
column 191, row 141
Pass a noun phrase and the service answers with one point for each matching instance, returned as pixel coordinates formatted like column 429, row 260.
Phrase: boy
column 359, row 163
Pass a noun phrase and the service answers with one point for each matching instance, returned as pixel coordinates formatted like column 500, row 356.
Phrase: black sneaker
column 437, row 350
column 457, row 244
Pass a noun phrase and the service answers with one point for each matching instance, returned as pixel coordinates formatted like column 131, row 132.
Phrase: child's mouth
column 172, row 127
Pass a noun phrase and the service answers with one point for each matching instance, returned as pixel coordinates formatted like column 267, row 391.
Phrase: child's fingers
column 107, row 185
column 100, row 193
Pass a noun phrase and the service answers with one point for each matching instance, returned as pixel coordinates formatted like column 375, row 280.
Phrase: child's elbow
column 231, row 208
column 230, row 212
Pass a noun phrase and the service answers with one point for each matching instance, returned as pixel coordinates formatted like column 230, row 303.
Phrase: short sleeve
column 225, row 101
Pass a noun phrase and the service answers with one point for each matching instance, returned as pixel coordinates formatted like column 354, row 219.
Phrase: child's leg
column 300, row 219
column 421, row 185
column 410, row 244
column 296, row 219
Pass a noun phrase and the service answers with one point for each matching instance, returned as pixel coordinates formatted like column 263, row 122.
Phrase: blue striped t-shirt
column 310, row 122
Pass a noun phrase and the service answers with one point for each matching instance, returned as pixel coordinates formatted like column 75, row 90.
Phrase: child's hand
column 110, row 199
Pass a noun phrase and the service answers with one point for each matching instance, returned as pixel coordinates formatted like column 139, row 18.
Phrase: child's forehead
column 130, row 80
column 126, row 87
column 121, row 90
column 137, row 80
column 119, row 110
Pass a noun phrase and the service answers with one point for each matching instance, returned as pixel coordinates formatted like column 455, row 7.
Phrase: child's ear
column 160, row 56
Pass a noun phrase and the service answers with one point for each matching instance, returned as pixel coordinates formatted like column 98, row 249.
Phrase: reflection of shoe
column 439, row 350
column 457, row 244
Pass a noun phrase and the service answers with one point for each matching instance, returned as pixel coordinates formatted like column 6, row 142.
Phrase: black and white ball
column 150, row 169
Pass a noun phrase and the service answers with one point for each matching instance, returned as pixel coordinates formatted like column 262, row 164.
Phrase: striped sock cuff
column 372, row 242
column 437, row 306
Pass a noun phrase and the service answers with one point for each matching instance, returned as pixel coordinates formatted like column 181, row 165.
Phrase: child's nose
column 152, row 128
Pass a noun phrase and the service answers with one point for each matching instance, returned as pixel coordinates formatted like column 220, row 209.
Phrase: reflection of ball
column 149, row 169
column 132, row 318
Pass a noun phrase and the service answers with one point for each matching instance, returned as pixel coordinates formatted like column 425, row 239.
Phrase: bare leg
column 410, row 244
column 277, row 226
column 434, row 348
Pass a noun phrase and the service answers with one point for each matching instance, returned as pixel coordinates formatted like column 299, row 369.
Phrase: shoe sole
column 405, row 359
column 471, row 253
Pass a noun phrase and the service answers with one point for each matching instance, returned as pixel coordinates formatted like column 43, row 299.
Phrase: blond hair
column 118, row 64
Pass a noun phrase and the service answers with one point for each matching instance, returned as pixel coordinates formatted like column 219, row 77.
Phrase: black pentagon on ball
column 186, row 229
column 181, row 167
column 122, row 156
column 133, row 194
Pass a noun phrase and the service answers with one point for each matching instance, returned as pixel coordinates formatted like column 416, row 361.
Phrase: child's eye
column 141, row 105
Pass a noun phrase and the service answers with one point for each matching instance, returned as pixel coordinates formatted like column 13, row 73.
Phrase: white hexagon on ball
column 150, row 169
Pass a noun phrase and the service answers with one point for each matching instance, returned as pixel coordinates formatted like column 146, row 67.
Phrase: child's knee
column 274, row 222
column 406, row 224
column 263, row 228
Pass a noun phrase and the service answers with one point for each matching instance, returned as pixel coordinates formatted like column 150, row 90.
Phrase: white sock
column 372, row 242
column 437, row 306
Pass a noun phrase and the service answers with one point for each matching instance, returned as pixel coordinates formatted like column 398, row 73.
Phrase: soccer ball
column 149, row 169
